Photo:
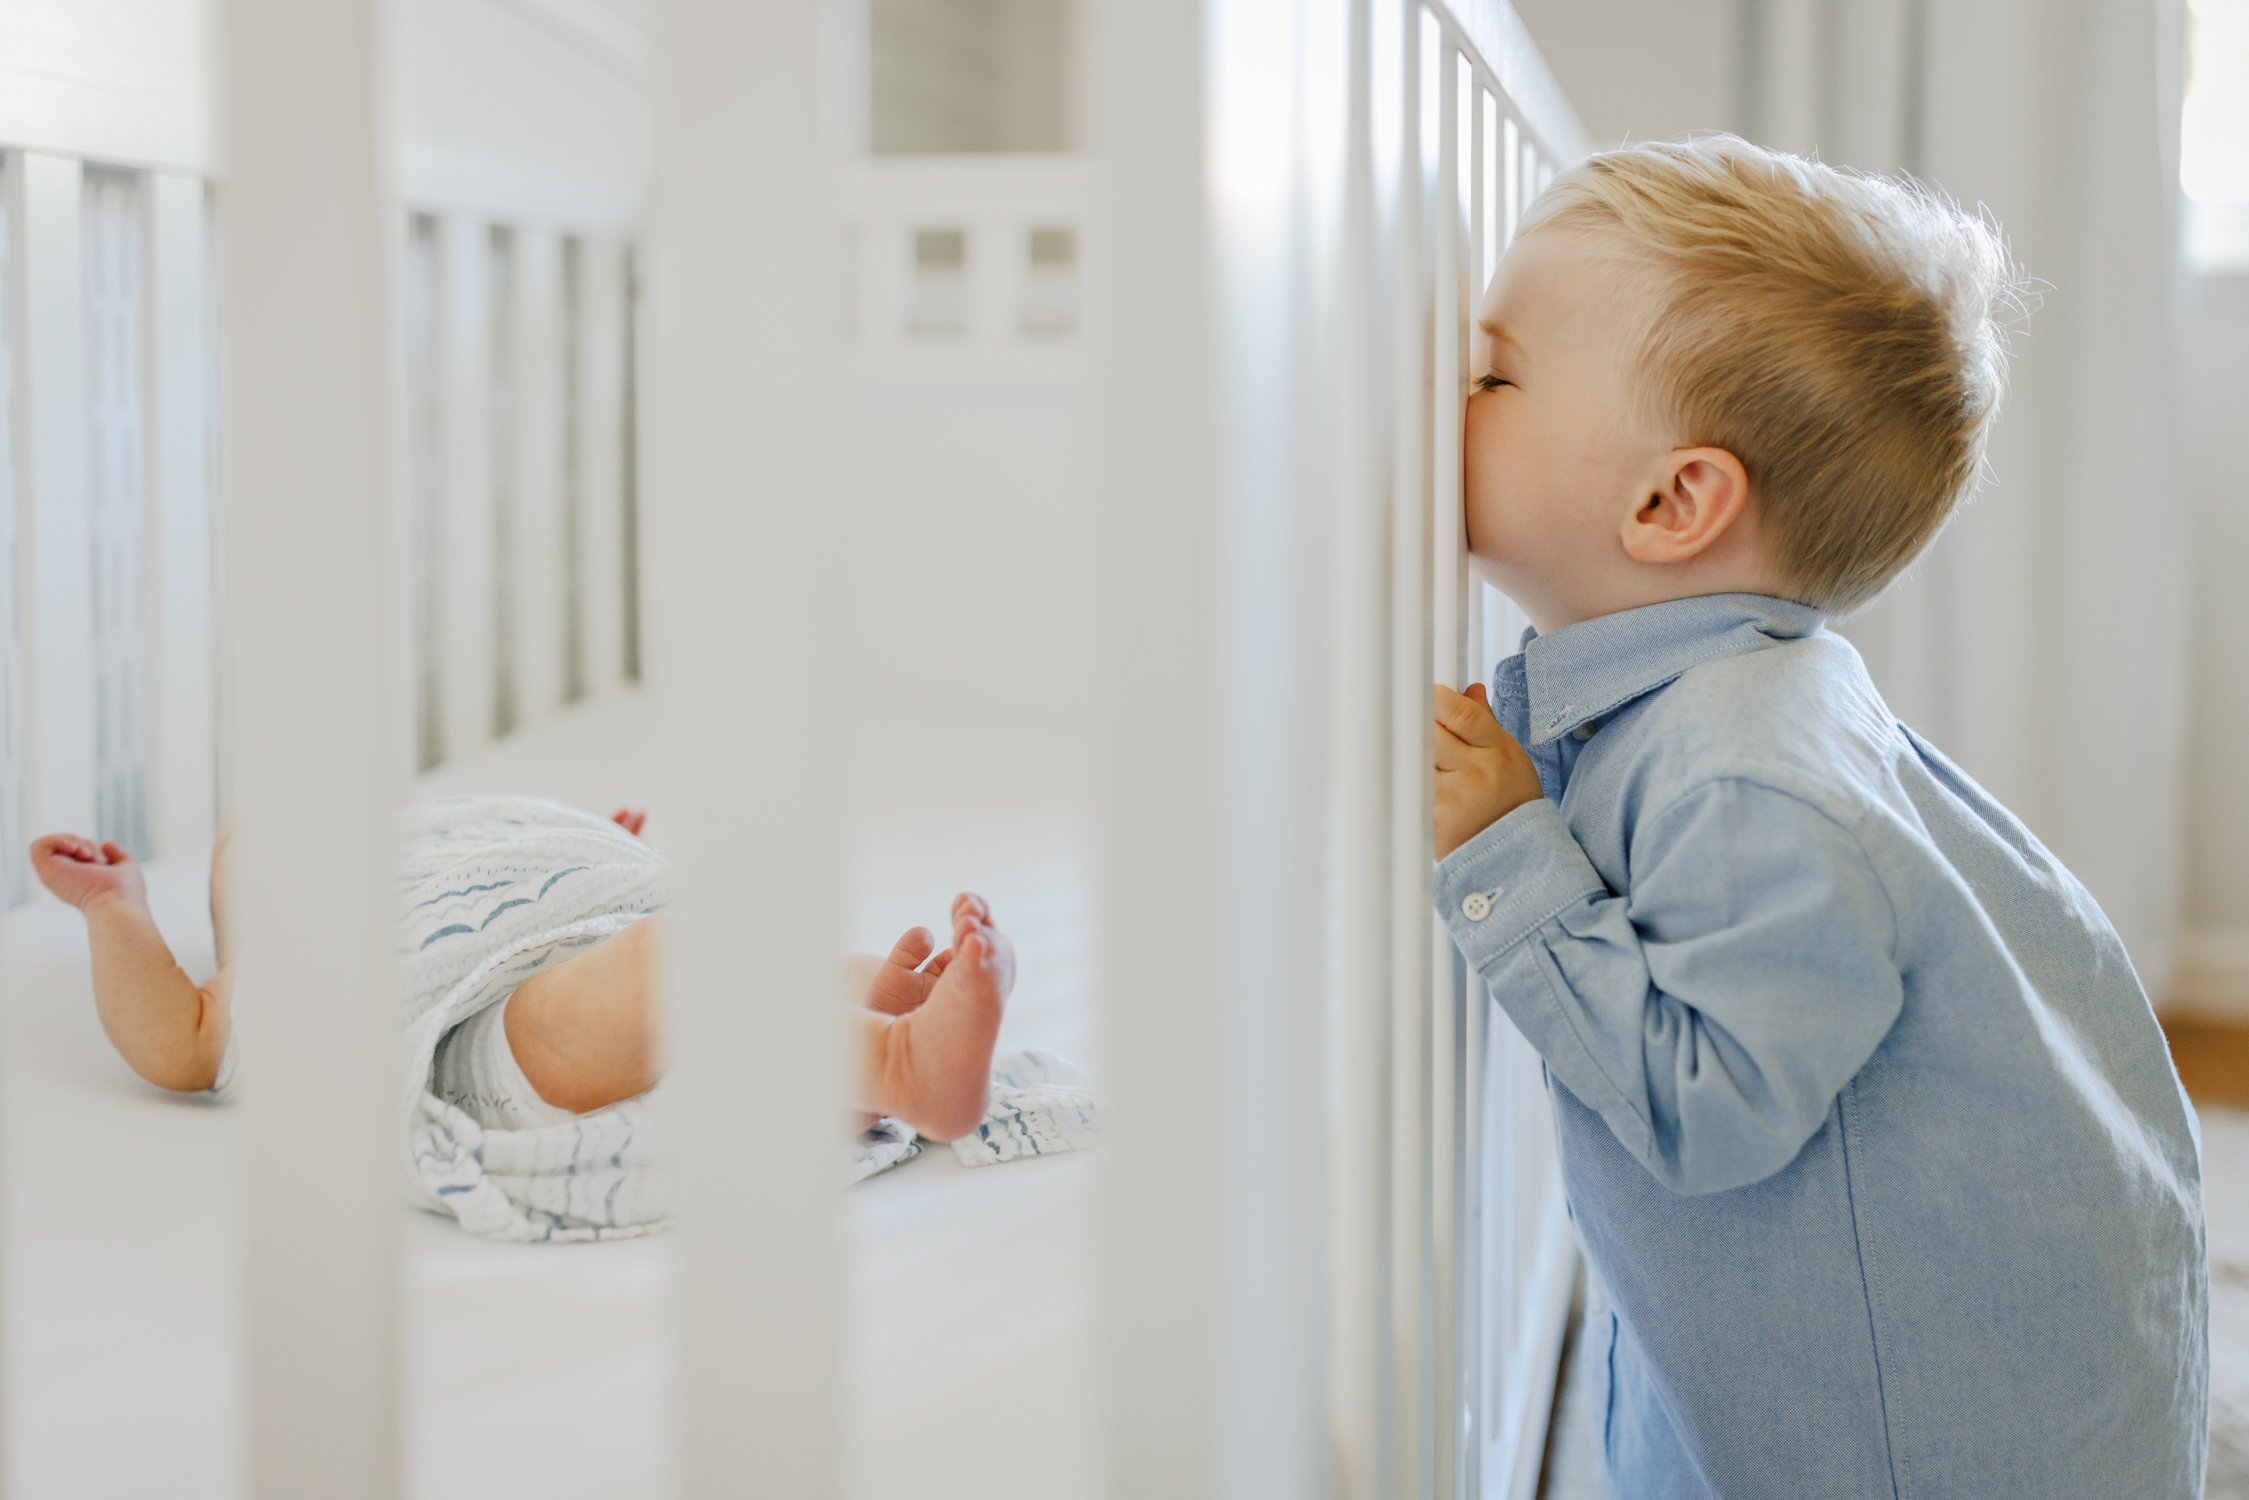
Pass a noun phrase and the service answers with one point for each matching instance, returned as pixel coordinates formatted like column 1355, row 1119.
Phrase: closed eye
column 1490, row 382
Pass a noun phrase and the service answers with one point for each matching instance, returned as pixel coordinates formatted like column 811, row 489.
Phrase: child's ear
column 1700, row 493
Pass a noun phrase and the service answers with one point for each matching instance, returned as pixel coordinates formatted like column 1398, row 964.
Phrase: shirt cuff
column 1512, row 879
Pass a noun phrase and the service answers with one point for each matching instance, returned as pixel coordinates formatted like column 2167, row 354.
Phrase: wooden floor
column 2212, row 1057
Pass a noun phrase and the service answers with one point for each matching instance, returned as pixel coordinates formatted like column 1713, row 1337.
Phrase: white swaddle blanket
column 491, row 891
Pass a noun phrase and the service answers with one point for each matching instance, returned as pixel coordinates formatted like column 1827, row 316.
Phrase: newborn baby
column 576, row 1035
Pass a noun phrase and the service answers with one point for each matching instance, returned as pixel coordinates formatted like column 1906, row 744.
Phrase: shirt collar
column 1582, row 671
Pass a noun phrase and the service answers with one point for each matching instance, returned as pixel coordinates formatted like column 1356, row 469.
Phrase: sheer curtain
column 2043, row 640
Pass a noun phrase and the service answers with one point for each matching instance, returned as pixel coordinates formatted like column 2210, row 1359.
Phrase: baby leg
column 584, row 1032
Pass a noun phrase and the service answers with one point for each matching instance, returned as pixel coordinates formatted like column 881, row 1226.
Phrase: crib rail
column 1362, row 185
column 519, row 492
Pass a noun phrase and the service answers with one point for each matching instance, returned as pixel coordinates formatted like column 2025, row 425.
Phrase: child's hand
column 1483, row 773
column 83, row 872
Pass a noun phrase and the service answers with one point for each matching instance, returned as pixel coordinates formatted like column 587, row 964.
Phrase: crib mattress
column 120, row 1250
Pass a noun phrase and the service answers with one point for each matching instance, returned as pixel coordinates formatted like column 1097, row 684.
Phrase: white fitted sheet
column 970, row 1291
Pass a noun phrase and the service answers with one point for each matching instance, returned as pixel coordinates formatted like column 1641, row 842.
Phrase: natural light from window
column 2214, row 135
column 2214, row 150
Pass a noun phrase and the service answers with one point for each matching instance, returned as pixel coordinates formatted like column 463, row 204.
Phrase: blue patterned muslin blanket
column 1040, row 1104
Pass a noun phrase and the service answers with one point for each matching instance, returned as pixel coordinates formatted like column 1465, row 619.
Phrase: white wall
column 1643, row 69
column 2214, row 370
column 554, row 90
column 537, row 110
column 981, row 590
column 125, row 81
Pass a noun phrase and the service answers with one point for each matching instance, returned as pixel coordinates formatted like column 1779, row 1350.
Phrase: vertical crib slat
column 467, row 528
column 536, row 443
column 1360, row 1139
column 598, row 459
column 1147, row 306
column 185, row 739
column 117, row 498
column 742, row 569
column 15, row 530
column 1212, row 559
column 13, row 875
column 45, row 201
column 1470, row 1004
column 1448, row 608
column 309, row 259
column 1411, row 637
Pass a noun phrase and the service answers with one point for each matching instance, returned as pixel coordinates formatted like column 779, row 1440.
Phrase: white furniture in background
column 964, row 270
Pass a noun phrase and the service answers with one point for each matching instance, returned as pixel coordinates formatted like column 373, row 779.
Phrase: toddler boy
column 1867, row 1126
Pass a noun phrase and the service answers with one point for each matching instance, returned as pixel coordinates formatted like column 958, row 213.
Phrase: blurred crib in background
column 1175, row 389
column 516, row 337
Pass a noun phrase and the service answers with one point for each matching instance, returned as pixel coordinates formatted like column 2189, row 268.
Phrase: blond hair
column 1840, row 333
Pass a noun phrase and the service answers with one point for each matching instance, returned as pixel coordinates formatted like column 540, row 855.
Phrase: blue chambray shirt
column 1865, row 1121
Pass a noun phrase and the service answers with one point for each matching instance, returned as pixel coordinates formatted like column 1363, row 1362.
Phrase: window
column 2214, row 136
column 969, row 76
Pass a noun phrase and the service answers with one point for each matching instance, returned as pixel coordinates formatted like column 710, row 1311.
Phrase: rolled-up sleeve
column 1711, row 1015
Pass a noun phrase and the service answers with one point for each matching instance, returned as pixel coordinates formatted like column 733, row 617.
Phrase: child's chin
column 1484, row 568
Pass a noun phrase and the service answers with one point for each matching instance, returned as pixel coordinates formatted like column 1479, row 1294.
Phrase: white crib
column 504, row 502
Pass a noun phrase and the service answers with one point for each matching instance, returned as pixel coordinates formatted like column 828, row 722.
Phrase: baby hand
column 1483, row 773
column 82, row 872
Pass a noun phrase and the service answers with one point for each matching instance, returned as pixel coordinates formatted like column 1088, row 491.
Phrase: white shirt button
column 1476, row 906
column 1582, row 733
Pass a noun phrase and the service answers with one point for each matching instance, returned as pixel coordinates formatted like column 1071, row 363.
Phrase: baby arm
column 168, row 1029
column 1711, row 1016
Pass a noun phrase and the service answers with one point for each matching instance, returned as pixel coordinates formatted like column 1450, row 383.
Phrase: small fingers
column 937, row 963
column 1466, row 718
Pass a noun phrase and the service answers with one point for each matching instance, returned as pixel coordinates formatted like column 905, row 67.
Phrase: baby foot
column 939, row 1061
column 85, row 873
column 897, row 984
